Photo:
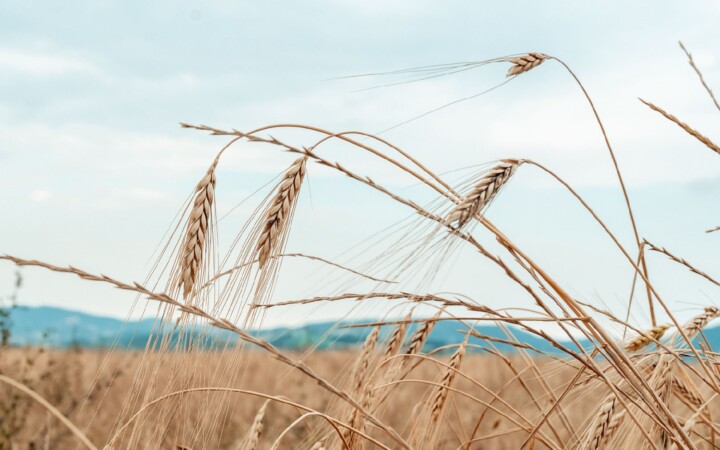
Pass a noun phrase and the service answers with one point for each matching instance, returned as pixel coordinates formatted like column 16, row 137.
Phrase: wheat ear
column 682, row 390
column 598, row 430
column 363, row 361
column 441, row 392
column 253, row 438
column 644, row 339
column 525, row 63
column 193, row 247
column 397, row 337
column 359, row 386
column 483, row 192
column 661, row 383
column 418, row 339
column 280, row 209
column 697, row 323
column 685, row 127
column 681, row 261
column 615, row 421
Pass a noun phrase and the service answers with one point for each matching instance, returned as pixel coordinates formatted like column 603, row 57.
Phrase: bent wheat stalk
column 700, row 75
column 692, row 132
column 50, row 408
column 681, row 261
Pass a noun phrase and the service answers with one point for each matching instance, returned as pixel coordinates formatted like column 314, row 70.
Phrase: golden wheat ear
column 276, row 218
column 646, row 338
column 597, row 433
column 194, row 244
column 526, row 63
column 687, row 128
column 441, row 391
column 252, row 440
column 483, row 192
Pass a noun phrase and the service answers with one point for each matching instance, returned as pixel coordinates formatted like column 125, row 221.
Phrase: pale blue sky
column 94, row 167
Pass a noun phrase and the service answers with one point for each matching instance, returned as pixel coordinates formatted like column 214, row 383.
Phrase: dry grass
column 205, row 380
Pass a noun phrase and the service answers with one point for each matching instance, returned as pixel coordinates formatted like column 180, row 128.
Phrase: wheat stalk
column 643, row 339
column 193, row 247
column 681, row 261
column 276, row 217
column 700, row 75
column 525, row 63
column 483, row 192
column 685, row 127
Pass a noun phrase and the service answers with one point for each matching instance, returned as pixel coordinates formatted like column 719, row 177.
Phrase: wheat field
column 205, row 380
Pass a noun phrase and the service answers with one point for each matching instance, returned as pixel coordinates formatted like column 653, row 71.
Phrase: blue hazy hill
column 64, row 328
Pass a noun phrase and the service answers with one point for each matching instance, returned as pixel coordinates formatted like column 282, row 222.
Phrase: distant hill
column 64, row 328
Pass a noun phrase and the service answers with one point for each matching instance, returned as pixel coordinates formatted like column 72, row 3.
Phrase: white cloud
column 32, row 63
column 40, row 195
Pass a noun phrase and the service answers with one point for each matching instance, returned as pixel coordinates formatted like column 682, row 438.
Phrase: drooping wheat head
column 643, row 340
column 525, row 63
column 697, row 323
column 483, row 192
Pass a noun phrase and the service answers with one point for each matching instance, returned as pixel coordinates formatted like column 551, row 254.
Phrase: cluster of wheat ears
column 653, row 389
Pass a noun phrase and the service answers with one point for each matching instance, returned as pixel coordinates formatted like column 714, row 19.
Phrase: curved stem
column 276, row 444
column 643, row 265
column 50, row 408
column 238, row 391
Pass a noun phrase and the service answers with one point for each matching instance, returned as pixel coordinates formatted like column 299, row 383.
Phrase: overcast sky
column 94, row 166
